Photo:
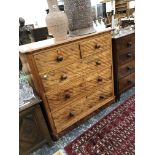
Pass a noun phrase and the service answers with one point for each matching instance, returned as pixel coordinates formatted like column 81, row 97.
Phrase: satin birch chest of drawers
column 74, row 78
column 124, row 63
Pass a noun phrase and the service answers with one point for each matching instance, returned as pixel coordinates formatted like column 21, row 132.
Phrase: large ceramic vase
column 79, row 13
column 57, row 21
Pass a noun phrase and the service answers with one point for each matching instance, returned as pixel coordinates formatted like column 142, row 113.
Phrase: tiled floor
column 46, row 150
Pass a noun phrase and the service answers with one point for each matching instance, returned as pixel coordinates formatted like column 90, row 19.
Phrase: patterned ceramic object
column 79, row 13
column 57, row 22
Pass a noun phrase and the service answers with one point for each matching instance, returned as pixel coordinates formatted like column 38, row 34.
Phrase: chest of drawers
column 124, row 63
column 74, row 78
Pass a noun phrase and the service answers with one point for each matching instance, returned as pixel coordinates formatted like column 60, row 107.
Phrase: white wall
column 32, row 11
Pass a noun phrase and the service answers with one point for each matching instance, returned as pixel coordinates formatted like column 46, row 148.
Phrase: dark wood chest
column 124, row 63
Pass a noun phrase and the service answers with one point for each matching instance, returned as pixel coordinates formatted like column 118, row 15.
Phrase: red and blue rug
column 112, row 135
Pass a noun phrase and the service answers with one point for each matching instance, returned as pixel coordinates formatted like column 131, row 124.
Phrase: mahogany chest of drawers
column 74, row 78
column 124, row 63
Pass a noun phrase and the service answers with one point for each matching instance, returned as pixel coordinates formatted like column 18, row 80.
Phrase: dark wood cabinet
column 124, row 63
column 33, row 131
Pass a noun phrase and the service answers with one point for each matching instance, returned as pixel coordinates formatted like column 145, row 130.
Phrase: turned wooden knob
column 129, row 68
column 129, row 55
column 101, row 97
column 97, row 46
column 129, row 44
column 63, row 77
column 60, row 58
column 98, row 62
column 130, row 81
column 67, row 95
column 71, row 114
column 99, row 79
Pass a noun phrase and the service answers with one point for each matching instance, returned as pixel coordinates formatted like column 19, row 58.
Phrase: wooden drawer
column 55, row 58
column 62, row 97
column 125, row 42
column 126, row 69
column 126, row 57
column 80, row 108
column 97, row 63
column 95, row 45
column 70, row 114
column 62, row 76
column 99, row 97
column 98, row 80
column 127, row 82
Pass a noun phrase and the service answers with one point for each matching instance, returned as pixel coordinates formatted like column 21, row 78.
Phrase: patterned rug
column 112, row 135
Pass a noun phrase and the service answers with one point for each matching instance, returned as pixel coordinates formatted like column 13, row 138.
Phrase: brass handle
column 129, row 44
column 67, row 95
column 99, row 79
column 60, row 58
column 129, row 55
column 45, row 76
column 71, row 114
column 63, row 77
column 101, row 97
column 97, row 46
column 98, row 62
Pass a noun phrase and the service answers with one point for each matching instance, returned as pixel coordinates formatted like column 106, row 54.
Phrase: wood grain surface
column 74, row 79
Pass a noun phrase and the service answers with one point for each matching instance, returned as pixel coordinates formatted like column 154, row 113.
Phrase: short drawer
column 125, row 42
column 126, row 82
column 62, row 76
column 95, row 45
column 64, row 96
column 126, row 57
column 126, row 69
column 55, row 58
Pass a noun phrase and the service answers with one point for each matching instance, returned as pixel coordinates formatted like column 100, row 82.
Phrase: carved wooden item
column 74, row 78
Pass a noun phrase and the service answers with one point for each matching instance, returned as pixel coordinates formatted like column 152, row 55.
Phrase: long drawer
column 127, row 82
column 55, row 58
column 95, row 45
column 96, row 81
column 62, row 97
column 126, row 69
column 63, row 76
column 125, row 42
column 80, row 108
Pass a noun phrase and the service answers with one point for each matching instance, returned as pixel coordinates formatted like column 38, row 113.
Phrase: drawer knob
column 98, row 62
column 71, row 114
column 130, row 81
column 67, row 95
column 63, row 77
column 99, row 79
column 129, row 55
column 97, row 46
column 129, row 44
column 101, row 97
column 129, row 68
column 60, row 58
column 45, row 76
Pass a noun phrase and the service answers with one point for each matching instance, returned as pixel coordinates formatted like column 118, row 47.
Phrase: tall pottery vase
column 79, row 13
column 57, row 21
